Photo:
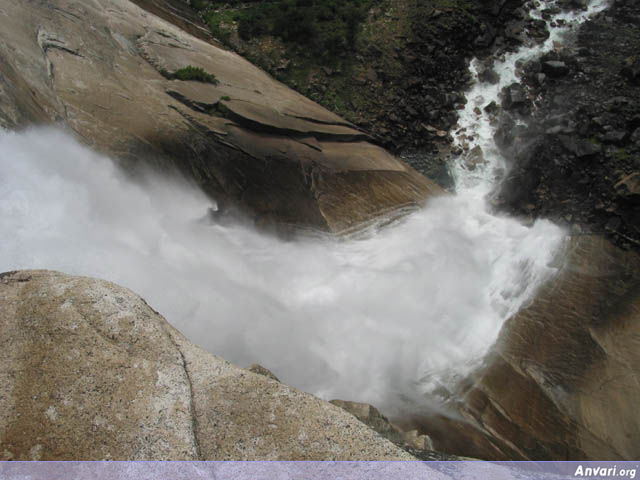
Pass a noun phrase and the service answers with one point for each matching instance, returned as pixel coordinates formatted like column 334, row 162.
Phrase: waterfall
column 383, row 318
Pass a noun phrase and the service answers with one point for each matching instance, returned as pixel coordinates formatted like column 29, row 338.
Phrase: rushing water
column 475, row 124
column 373, row 319
column 383, row 318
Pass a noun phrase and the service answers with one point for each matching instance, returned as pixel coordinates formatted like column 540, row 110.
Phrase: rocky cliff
column 89, row 371
column 125, row 81
column 578, row 160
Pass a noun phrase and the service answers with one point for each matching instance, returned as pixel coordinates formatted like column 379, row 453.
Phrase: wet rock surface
column 89, row 371
column 562, row 380
column 578, row 159
column 106, row 71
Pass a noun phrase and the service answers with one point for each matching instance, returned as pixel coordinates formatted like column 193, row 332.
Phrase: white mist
column 382, row 319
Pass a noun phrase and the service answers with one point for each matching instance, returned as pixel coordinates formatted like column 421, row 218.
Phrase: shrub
column 199, row 4
column 194, row 73
column 252, row 24
column 321, row 27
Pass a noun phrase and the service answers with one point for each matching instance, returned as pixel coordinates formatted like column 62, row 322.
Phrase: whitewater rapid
column 381, row 319
column 384, row 318
column 476, row 126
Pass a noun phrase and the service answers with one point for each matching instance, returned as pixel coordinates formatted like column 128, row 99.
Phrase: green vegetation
column 319, row 27
column 193, row 73
column 348, row 55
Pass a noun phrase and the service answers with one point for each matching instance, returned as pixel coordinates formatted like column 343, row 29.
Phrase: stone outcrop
column 260, row 370
column 89, row 371
column 370, row 415
column 105, row 70
column 562, row 381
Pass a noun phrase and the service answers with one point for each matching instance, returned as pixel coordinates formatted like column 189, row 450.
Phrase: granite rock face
column 106, row 71
column 562, row 382
column 89, row 371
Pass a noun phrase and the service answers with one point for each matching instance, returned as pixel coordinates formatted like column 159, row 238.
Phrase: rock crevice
column 192, row 408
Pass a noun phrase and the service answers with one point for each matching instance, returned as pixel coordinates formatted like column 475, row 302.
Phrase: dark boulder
column 629, row 188
column 504, row 133
column 579, row 147
column 555, row 68
column 632, row 72
column 514, row 97
column 488, row 75
column 617, row 137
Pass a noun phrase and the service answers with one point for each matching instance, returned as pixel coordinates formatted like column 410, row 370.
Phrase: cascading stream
column 384, row 318
column 476, row 130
